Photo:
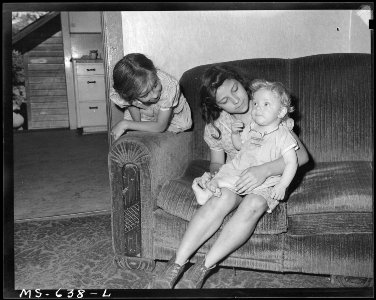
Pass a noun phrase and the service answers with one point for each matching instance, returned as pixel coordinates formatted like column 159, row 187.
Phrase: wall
column 179, row 40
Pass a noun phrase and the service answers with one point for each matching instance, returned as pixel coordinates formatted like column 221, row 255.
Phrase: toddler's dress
column 257, row 148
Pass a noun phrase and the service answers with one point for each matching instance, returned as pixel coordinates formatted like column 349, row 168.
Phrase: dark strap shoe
column 194, row 278
column 168, row 276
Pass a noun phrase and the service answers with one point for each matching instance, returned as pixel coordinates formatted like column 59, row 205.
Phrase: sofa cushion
column 333, row 198
column 334, row 187
column 177, row 198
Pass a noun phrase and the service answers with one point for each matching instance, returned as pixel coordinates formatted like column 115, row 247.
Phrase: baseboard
column 66, row 216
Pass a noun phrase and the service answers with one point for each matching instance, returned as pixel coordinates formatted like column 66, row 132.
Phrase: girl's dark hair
column 211, row 80
column 133, row 75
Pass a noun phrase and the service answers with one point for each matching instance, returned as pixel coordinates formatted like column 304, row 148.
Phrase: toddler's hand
column 237, row 126
column 278, row 192
column 213, row 187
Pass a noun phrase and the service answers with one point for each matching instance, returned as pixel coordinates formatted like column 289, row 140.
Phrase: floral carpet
column 77, row 253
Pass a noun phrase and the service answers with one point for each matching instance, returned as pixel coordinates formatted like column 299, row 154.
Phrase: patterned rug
column 76, row 253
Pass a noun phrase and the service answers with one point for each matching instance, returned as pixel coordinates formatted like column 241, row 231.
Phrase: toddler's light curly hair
column 276, row 88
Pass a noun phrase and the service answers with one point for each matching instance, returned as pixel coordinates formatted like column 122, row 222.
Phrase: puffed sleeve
column 115, row 97
column 289, row 123
column 212, row 142
column 286, row 140
column 170, row 92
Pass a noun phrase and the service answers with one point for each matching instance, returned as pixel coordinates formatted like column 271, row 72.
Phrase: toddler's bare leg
column 204, row 179
column 202, row 195
column 226, row 182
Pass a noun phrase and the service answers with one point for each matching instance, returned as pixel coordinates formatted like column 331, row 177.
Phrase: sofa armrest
column 139, row 164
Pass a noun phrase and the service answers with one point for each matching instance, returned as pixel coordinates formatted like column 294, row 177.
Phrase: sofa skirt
column 334, row 254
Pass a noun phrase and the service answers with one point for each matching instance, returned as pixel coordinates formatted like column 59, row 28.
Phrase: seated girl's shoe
column 194, row 278
column 167, row 278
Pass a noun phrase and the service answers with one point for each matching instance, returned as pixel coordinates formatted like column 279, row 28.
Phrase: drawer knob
column 91, row 82
column 93, row 107
column 90, row 69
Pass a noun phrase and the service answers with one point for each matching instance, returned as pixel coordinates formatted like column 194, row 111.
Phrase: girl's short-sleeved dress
column 223, row 123
column 171, row 98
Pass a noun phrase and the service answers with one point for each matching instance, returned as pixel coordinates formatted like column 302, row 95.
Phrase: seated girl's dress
column 171, row 97
column 257, row 148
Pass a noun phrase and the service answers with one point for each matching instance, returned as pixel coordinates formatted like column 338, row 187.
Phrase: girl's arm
column 255, row 176
column 135, row 113
column 159, row 126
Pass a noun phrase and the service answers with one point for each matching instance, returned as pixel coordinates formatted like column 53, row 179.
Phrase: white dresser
column 90, row 95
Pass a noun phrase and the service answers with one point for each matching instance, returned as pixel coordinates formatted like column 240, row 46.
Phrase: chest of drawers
column 90, row 96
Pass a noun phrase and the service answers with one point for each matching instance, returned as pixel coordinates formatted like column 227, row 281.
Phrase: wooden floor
column 60, row 173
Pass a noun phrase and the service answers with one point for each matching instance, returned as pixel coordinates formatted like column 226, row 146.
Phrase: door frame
column 69, row 70
column 113, row 51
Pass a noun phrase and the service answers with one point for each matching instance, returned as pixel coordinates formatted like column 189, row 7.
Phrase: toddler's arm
column 236, row 141
column 236, row 128
column 291, row 165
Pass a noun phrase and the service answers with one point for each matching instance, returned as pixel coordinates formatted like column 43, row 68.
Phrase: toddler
column 263, row 140
column 152, row 98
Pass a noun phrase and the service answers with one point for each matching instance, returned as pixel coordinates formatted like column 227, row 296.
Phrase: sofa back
column 332, row 95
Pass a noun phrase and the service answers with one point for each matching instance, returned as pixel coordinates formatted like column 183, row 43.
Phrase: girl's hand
column 119, row 129
column 237, row 127
column 278, row 192
column 251, row 178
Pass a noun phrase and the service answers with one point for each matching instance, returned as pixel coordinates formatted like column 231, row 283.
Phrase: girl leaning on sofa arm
column 152, row 98
column 225, row 96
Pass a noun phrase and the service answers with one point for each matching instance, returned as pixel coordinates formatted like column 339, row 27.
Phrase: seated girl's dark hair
column 211, row 80
column 132, row 75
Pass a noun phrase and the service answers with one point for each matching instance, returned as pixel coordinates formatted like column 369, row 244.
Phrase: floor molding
column 67, row 216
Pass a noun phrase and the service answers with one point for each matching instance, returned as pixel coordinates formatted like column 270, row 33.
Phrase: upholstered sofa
column 326, row 225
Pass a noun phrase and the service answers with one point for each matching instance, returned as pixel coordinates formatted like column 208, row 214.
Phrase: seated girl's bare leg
column 238, row 229
column 205, row 223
